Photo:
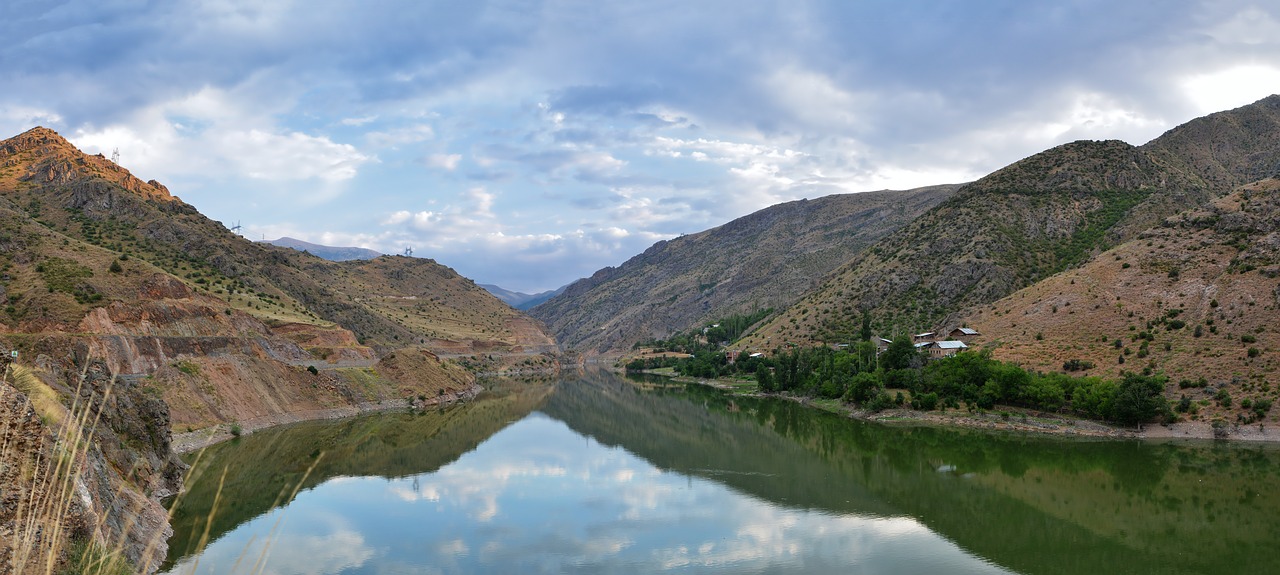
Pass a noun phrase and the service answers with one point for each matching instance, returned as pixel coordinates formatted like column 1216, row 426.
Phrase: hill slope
column 762, row 260
column 97, row 263
column 90, row 199
column 1187, row 299
column 1030, row 220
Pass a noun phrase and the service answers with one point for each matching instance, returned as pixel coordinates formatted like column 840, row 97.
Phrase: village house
column 940, row 349
column 963, row 334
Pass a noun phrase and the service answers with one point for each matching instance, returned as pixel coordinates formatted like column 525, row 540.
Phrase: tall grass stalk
column 50, row 482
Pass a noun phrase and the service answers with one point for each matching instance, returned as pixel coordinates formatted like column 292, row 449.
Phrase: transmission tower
column 408, row 251
column 235, row 228
column 115, row 156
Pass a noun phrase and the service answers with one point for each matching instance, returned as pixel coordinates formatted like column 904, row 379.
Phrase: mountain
column 98, row 262
column 1044, row 214
column 767, row 259
column 1189, row 298
column 125, row 301
column 521, row 301
column 327, row 252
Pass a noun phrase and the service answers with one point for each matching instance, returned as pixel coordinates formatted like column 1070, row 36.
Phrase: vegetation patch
column 67, row 276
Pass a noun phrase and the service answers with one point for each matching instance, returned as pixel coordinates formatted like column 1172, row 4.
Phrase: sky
column 530, row 143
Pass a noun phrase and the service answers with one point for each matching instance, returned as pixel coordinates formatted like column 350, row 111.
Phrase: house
column 940, row 349
column 882, row 344
column 963, row 333
column 926, row 336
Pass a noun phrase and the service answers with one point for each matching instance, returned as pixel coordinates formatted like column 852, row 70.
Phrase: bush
column 115, row 267
column 1077, row 365
column 313, row 370
column 925, row 402
column 1254, row 352
column 879, row 403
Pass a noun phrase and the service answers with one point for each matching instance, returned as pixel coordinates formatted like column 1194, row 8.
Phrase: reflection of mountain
column 1035, row 505
column 263, row 468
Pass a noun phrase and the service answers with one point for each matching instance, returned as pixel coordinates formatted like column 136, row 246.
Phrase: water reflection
column 604, row 475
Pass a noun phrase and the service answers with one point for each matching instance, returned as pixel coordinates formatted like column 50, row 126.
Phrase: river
column 600, row 474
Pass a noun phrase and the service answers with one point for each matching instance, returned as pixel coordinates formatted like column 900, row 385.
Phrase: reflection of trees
column 1032, row 503
column 261, row 469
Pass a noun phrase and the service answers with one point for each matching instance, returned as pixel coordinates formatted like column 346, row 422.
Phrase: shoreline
column 189, row 441
column 1023, row 421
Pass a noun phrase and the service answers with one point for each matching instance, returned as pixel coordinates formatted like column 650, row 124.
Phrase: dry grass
column 45, row 463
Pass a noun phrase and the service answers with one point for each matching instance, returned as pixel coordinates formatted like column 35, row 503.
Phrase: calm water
column 599, row 474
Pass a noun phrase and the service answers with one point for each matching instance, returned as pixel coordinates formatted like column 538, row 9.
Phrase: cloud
column 400, row 136
column 211, row 133
column 654, row 118
column 448, row 162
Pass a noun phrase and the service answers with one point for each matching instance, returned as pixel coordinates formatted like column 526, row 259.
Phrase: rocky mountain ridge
column 766, row 259
column 1055, row 210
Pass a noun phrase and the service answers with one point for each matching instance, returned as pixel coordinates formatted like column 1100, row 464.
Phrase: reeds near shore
column 46, row 452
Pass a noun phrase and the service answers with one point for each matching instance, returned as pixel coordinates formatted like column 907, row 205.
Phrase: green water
column 598, row 474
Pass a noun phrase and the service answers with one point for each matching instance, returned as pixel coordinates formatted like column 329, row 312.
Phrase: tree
column 863, row 387
column 1139, row 399
column 764, row 378
column 866, row 326
column 902, row 354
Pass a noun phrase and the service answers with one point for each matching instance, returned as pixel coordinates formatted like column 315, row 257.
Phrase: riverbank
column 190, row 441
column 1012, row 419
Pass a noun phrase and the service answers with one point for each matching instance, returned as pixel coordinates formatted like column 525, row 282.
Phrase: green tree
column 1138, row 399
column 764, row 378
column 902, row 354
column 863, row 387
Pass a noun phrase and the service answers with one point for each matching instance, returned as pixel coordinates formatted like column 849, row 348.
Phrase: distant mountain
column 767, row 259
column 1030, row 220
column 518, row 300
column 327, row 252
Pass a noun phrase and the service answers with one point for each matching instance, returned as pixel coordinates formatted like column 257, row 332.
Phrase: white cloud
column 1252, row 25
column 213, row 134
column 401, row 136
column 448, row 162
column 1232, row 87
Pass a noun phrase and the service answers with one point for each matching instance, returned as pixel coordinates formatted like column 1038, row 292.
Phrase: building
column 963, row 333
column 924, row 337
column 940, row 349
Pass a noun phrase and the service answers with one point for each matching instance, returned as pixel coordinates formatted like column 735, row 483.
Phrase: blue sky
column 530, row 143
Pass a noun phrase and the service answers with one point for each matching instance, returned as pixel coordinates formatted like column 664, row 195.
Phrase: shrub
column 1254, row 352
column 925, row 402
column 313, row 370
column 1077, row 365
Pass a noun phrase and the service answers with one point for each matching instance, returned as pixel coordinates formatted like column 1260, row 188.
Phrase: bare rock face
column 134, row 453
